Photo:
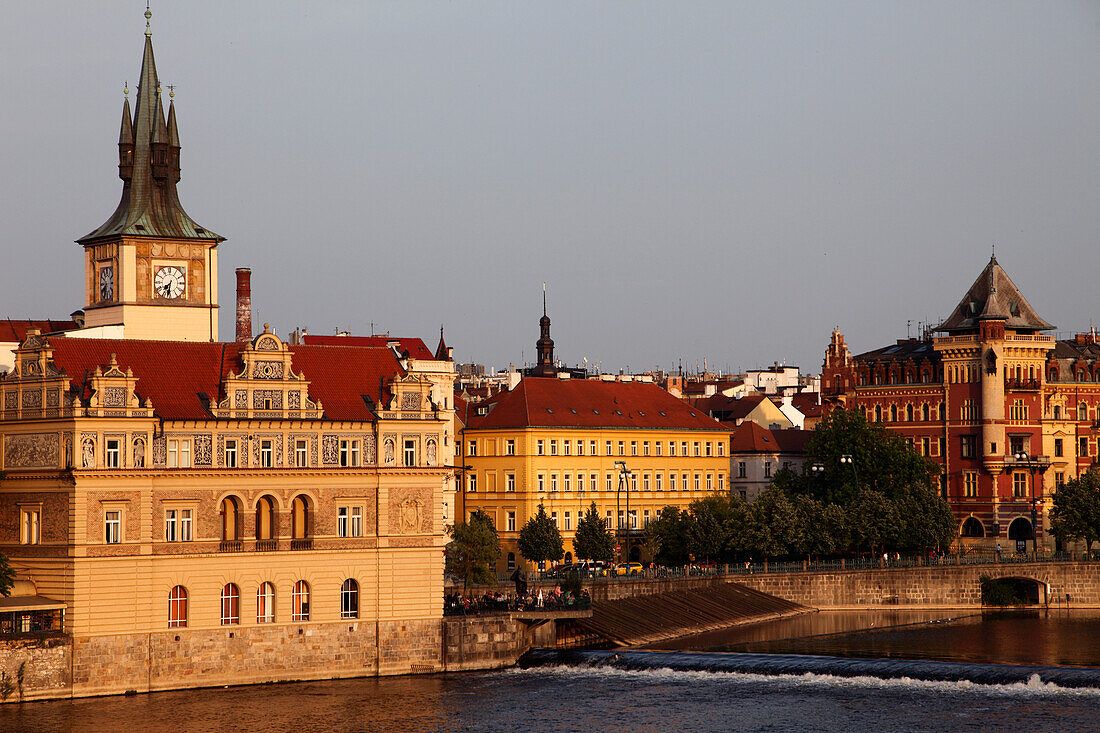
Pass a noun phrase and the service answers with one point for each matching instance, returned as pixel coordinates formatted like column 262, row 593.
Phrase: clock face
column 107, row 283
column 169, row 282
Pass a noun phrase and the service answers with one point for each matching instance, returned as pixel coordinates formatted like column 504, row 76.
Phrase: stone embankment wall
column 952, row 586
column 62, row 667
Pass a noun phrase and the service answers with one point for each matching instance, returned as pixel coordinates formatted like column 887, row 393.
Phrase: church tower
column 150, row 270
column 545, row 345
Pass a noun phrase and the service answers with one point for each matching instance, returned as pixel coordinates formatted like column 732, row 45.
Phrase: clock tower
column 150, row 270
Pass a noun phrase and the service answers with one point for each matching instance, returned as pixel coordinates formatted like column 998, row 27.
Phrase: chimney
column 244, row 304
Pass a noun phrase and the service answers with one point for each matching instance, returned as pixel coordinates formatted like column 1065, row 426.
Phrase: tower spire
column 545, row 345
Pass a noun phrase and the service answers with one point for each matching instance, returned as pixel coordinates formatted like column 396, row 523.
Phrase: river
column 637, row 691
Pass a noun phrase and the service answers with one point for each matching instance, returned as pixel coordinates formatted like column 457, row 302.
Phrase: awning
column 29, row 603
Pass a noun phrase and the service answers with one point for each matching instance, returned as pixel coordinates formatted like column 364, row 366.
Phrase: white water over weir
column 801, row 664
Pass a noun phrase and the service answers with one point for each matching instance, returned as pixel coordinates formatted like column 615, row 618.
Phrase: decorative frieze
column 114, row 397
column 160, row 451
column 203, row 449
column 330, row 450
column 267, row 370
column 33, row 450
column 410, row 511
column 32, row 399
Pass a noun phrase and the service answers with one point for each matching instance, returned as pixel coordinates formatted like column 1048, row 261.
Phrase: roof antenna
column 148, row 15
column 544, row 297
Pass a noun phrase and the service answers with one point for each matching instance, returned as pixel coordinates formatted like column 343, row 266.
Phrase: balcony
column 230, row 546
column 267, row 545
column 302, row 544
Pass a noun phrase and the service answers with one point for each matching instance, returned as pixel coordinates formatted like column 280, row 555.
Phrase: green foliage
column 7, row 576
column 474, row 549
column 539, row 538
column 999, row 592
column 667, row 536
column 1076, row 511
column 593, row 539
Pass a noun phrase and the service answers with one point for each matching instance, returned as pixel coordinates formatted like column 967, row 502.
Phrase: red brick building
column 1009, row 412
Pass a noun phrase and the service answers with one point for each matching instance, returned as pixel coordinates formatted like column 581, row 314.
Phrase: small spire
column 148, row 15
column 544, row 297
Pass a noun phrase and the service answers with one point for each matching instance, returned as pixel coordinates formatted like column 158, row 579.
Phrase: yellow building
column 562, row 442
column 210, row 513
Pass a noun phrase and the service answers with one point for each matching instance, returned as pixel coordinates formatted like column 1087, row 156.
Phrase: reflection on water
column 1054, row 638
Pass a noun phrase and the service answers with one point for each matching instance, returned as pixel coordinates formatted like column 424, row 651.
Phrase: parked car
column 628, row 568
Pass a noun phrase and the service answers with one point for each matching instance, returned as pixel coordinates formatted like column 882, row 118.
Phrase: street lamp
column 624, row 472
column 847, row 458
column 1034, row 501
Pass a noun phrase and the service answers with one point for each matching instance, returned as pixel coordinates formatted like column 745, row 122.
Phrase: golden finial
column 148, row 15
column 126, row 90
column 171, row 91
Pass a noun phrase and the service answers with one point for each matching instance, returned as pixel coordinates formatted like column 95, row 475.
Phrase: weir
column 798, row 664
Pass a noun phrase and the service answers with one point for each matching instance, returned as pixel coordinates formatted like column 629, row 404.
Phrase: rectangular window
column 113, row 452
column 1057, row 447
column 511, row 521
column 741, row 467
column 553, row 447
column 554, row 518
column 672, row 447
column 471, row 449
column 684, row 448
column 645, row 482
column 349, row 452
column 553, row 482
column 356, row 521
column 645, row 518
column 622, row 449
column 710, row 486
column 568, row 522
column 566, row 447
column 592, row 481
column 342, row 516
column 471, row 483
column 267, row 453
column 767, row 469
column 607, row 446
column 30, row 524
column 568, row 482
column 1015, row 444
column 672, row 482
column 721, row 448
column 633, row 482
column 633, row 447
column 580, row 447
column 966, row 446
column 592, row 448
column 622, row 519
column 410, row 453
column 185, row 454
column 1059, row 478
column 510, row 447
column 185, row 525
column 657, row 481
column 177, row 525
column 112, row 527
column 540, row 448
column 608, row 520
column 173, row 454
column 541, row 483
column 230, row 453
column 633, row 519
column 1019, row 484
column 301, row 455
column 1083, row 449
column 580, row 483
column 608, row 486
column 510, row 482
column 170, row 525
column 707, row 451
column 697, row 482
column 970, row 484
column 684, row 481
column 645, row 447
column 721, row 480
column 657, row 446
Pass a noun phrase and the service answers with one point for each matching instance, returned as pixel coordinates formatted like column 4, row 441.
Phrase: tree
column 772, row 526
column 474, row 549
column 710, row 529
column 1076, row 511
column 539, row 538
column 668, row 536
column 7, row 576
column 593, row 540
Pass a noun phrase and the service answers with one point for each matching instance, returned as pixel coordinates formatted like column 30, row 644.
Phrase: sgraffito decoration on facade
column 11, row 400
column 53, row 398
column 276, row 446
column 34, row 450
column 267, row 343
column 114, row 397
column 32, row 399
column 203, row 449
column 267, row 399
column 267, row 370
column 294, row 399
column 139, row 452
column 160, row 450
column 410, row 511
column 370, row 450
column 87, row 450
column 330, row 450
column 410, row 401
column 240, row 399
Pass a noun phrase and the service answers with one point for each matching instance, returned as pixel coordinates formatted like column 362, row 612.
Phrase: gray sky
column 723, row 179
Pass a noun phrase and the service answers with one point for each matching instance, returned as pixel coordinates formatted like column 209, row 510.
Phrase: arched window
column 1057, row 412
column 939, row 411
column 301, row 601
column 893, row 413
column 231, row 604
column 1082, row 411
column 972, row 527
column 878, row 413
column 925, row 413
column 231, row 519
column 177, row 607
column 1020, row 529
column 909, row 412
column 349, row 599
column 299, row 518
column 265, row 604
column 265, row 518
column 511, row 561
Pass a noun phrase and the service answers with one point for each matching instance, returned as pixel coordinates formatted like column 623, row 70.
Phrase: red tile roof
column 749, row 437
column 587, row 403
column 729, row 408
column 16, row 331
column 173, row 374
column 807, row 403
column 416, row 347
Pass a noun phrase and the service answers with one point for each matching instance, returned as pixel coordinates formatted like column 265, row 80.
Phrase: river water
column 685, row 691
